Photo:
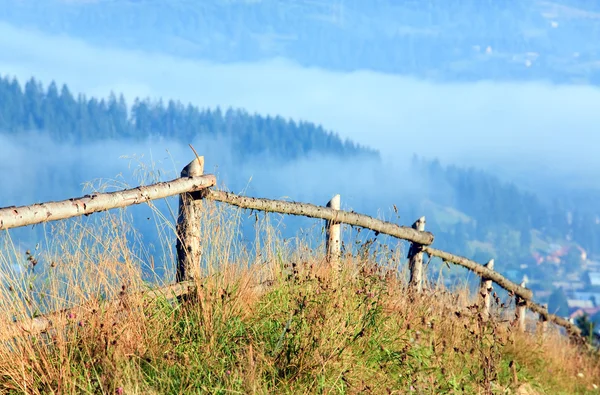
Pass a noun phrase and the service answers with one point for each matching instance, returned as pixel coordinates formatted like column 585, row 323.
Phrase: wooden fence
column 193, row 187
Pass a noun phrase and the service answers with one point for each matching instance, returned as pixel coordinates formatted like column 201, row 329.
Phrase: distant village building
column 539, row 259
column 594, row 278
column 580, row 304
column 569, row 285
column 542, row 295
column 557, row 252
column 583, row 300
column 593, row 266
column 593, row 296
column 589, row 311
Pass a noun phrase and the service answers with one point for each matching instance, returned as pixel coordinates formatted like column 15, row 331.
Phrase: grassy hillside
column 270, row 319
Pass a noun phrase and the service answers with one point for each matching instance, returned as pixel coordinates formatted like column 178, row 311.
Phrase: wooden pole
column 571, row 328
column 334, row 235
column 520, row 310
column 14, row 217
column 542, row 324
column 415, row 263
column 189, row 251
column 486, row 293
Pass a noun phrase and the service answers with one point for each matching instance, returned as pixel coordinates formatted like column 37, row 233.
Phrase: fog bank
column 533, row 127
column 36, row 169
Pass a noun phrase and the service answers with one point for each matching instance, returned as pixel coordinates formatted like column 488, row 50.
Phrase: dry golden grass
column 274, row 318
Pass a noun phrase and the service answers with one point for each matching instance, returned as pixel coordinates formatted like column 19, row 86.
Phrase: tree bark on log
column 189, row 248
column 313, row 211
column 542, row 324
column 572, row 329
column 415, row 260
column 14, row 217
column 482, row 271
column 333, row 243
column 520, row 311
column 486, row 292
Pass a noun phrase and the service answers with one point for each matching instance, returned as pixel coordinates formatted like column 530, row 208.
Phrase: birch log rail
column 482, row 271
column 313, row 211
column 14, row 217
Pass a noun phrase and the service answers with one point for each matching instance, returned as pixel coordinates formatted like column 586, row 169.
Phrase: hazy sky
column 547, row 127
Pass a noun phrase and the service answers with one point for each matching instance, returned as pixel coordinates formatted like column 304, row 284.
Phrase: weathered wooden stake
column 189, row 250
column 486, row 293
column 334, row 236
column 415, row 260
column 520, row 311
column 542, row 324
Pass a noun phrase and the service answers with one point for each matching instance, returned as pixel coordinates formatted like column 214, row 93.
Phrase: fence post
column 542, row 324
column 189, row 250
column 486, row 293
column 333, row 242
column 415, row 262
column 520, row 311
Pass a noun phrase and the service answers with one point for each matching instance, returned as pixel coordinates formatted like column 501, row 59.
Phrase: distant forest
column 81, row 119
column 503, row 216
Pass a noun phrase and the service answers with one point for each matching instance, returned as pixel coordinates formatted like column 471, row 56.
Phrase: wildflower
column 580, row 375
column 119, row 390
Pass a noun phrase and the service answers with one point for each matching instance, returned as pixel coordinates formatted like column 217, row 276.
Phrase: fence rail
column 15, row 217
column 193, row 188
column 482, row 271
column 329, row 214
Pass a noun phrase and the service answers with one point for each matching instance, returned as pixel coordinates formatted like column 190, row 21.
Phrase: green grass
column 309, row 330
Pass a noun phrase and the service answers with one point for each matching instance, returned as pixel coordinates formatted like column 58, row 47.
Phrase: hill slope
column 438, row 39
column 284, row 325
